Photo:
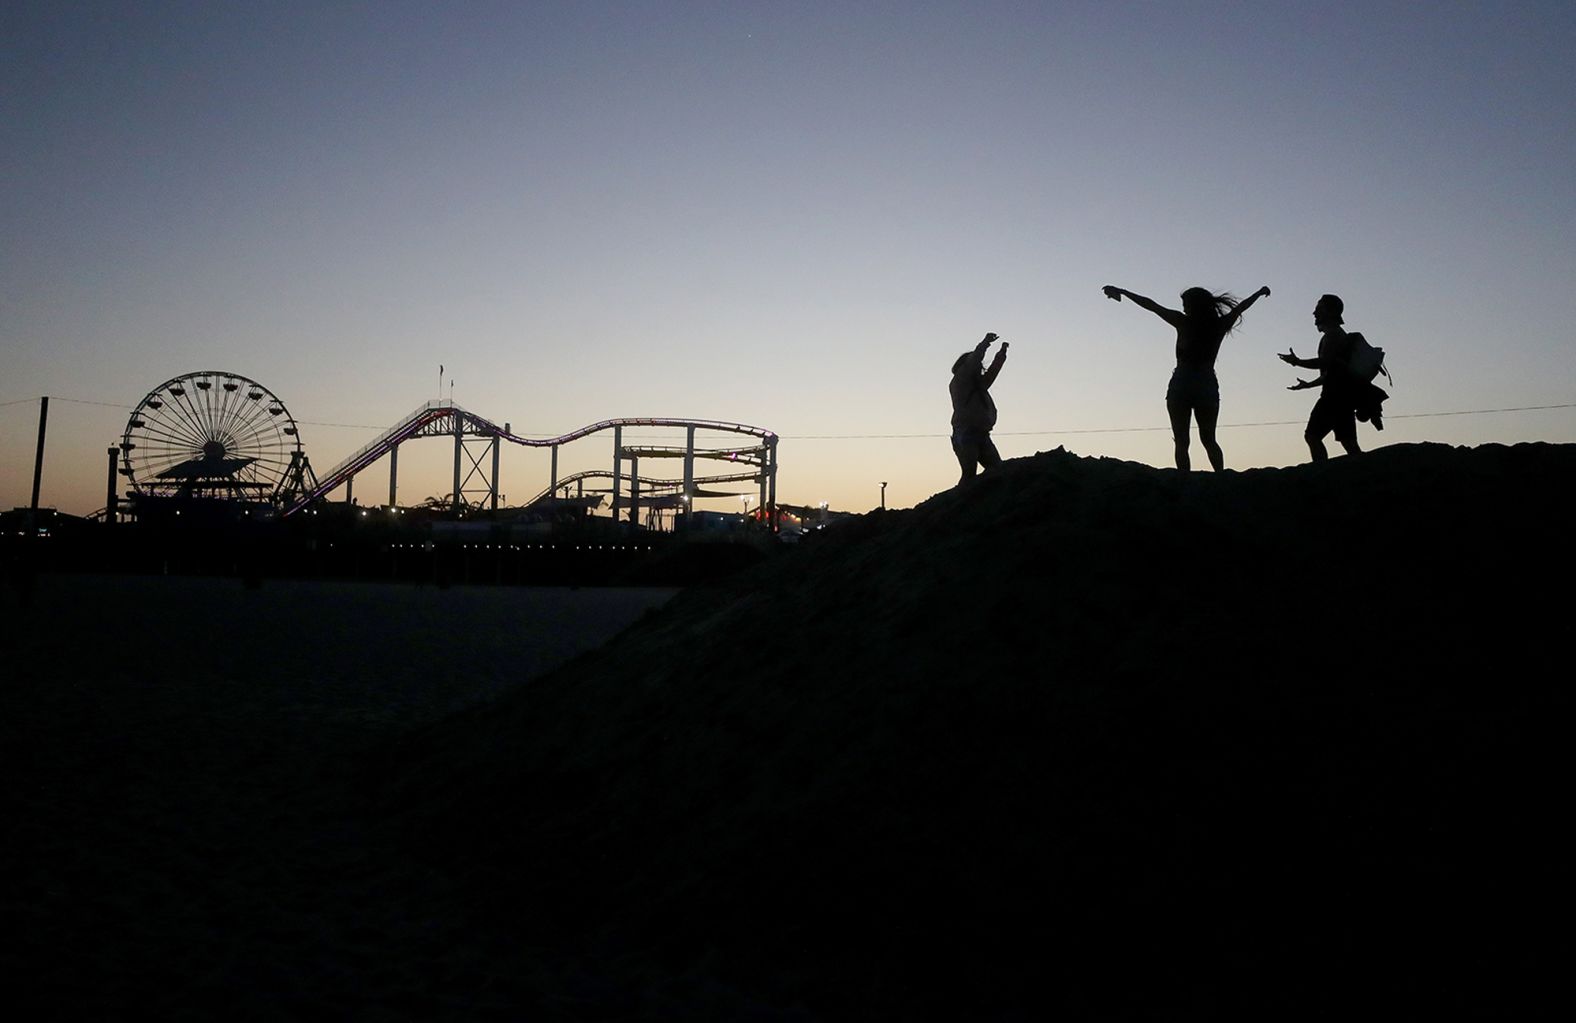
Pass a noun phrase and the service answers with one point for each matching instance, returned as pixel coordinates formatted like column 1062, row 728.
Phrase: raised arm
column 1171, row 316
column 995, row 365
column 975, row 360
column 1242, row 307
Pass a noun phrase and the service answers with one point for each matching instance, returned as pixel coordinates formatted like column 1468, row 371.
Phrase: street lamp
column 883, row 495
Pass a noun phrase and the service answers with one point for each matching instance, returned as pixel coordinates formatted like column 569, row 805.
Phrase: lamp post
column 883, row 495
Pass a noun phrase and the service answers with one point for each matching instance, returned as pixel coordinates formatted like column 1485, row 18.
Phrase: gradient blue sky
column 788, row 214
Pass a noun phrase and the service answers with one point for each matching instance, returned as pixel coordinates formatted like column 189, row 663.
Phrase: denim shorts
column 1195, row 387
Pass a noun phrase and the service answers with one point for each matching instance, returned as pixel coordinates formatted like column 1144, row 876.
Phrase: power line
column 1478, row 412
column 131, row 408
column 1035, row 433
column 922, row 436
column 343, row 426
column 1157, row 429
column 105, row 404
column 74, row 401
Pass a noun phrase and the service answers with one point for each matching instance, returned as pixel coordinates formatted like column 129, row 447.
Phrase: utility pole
column 109, row 490
column 38, row 465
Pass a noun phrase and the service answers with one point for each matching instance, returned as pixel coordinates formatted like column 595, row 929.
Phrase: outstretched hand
column 1264, row 291
column 1112, row 292
column 1289, row 356
column 1300, row 384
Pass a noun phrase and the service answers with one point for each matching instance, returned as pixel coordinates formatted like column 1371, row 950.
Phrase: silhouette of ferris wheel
column 212, row 434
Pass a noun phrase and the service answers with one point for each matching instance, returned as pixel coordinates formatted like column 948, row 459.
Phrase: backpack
column 1365, row 364
column 1366, row 361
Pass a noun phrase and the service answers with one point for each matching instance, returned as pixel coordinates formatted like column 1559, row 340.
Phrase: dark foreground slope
column 1082, row 735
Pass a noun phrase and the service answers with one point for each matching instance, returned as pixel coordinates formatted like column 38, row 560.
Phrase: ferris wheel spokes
column 210, row 434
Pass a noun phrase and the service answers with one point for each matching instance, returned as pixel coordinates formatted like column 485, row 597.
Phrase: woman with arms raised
column 1205, row 320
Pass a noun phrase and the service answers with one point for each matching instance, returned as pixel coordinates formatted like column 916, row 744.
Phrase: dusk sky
column 793, row 215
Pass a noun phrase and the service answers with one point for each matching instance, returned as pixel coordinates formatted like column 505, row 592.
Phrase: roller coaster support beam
column 634, row 491
column 393, row 473
column 771, row 479
column 552, row 502
column 689, row 475
column 493, row 495
column 618, row 464
column 299, row 479
column 459, row 450
column 109, row 490
column 350, row 487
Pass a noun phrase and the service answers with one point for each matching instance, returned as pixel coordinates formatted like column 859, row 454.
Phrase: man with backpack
column 1347, row 365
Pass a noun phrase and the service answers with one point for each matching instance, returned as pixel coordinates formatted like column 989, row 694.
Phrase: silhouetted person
column 1194, row 393
column 973, row 410
column 1341, row 390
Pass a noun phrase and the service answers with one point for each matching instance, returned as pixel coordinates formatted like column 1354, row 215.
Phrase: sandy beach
column 180, row 752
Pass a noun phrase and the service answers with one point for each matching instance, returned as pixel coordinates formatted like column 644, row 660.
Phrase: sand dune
column 1083, row 737
column 1085, row 734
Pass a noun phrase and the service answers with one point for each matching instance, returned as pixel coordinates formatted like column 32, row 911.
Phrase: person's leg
column 1318, row 427
column 1315, row 444
column 1346, row 432
column 1180, row 413
column 965, row 452
column 989, row 457
column 1207, row 414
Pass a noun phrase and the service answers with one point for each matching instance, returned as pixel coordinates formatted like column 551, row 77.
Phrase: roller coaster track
column 655, row 487
column 439, row 418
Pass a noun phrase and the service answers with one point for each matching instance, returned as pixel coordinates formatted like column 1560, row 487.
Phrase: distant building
column 719, row 522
